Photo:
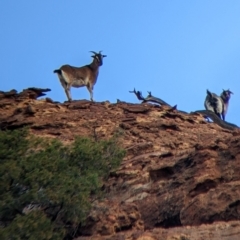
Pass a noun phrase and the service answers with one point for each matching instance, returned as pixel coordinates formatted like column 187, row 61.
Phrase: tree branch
column 138, row 94
column 150, row 98
column 216, row 119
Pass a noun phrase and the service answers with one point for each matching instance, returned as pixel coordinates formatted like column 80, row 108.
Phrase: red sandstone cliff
column 181, row 176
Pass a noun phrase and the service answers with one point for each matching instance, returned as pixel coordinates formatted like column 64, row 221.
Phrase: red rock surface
column 180, row 179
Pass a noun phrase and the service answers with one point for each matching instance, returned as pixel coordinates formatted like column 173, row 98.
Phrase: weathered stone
column 179, row 180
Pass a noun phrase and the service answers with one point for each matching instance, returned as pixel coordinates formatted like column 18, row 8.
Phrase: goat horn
column 93, row 52
column 209, row 93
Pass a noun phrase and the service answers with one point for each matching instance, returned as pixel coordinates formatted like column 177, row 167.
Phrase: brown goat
column 87, row 75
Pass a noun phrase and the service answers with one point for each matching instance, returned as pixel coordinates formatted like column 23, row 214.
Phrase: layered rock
column 179, row 180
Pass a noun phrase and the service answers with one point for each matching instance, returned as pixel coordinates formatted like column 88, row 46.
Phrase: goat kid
column 218, row 104
column 87, row 75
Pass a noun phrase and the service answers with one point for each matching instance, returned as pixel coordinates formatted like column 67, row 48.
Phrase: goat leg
column 90, row 89
column 68, row 93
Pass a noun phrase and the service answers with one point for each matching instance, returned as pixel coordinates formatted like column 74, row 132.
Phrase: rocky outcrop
column 179, row 180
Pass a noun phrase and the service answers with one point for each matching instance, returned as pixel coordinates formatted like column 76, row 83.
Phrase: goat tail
column 57, row 71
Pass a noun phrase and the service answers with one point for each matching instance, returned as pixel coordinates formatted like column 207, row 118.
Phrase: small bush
column 47, row 187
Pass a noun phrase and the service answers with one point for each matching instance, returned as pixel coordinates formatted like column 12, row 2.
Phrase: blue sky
column 176, row 49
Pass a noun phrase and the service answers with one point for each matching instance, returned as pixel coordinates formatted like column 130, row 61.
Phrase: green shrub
column 32, row 226
column 56, row 182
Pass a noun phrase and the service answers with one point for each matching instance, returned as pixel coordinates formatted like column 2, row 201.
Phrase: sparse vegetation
column 46, row 188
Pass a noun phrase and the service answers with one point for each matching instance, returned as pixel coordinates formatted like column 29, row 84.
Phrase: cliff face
column 179, row 180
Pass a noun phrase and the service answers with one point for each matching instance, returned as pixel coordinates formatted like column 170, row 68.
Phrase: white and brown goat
column 218, row 104
column 87, row 75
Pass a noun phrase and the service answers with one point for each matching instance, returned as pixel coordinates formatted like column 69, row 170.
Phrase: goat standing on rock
column 87, row 75
column 216, row 104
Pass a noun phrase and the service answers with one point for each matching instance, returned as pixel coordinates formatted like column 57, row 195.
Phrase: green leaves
column 55, row 177
column 32, row 226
